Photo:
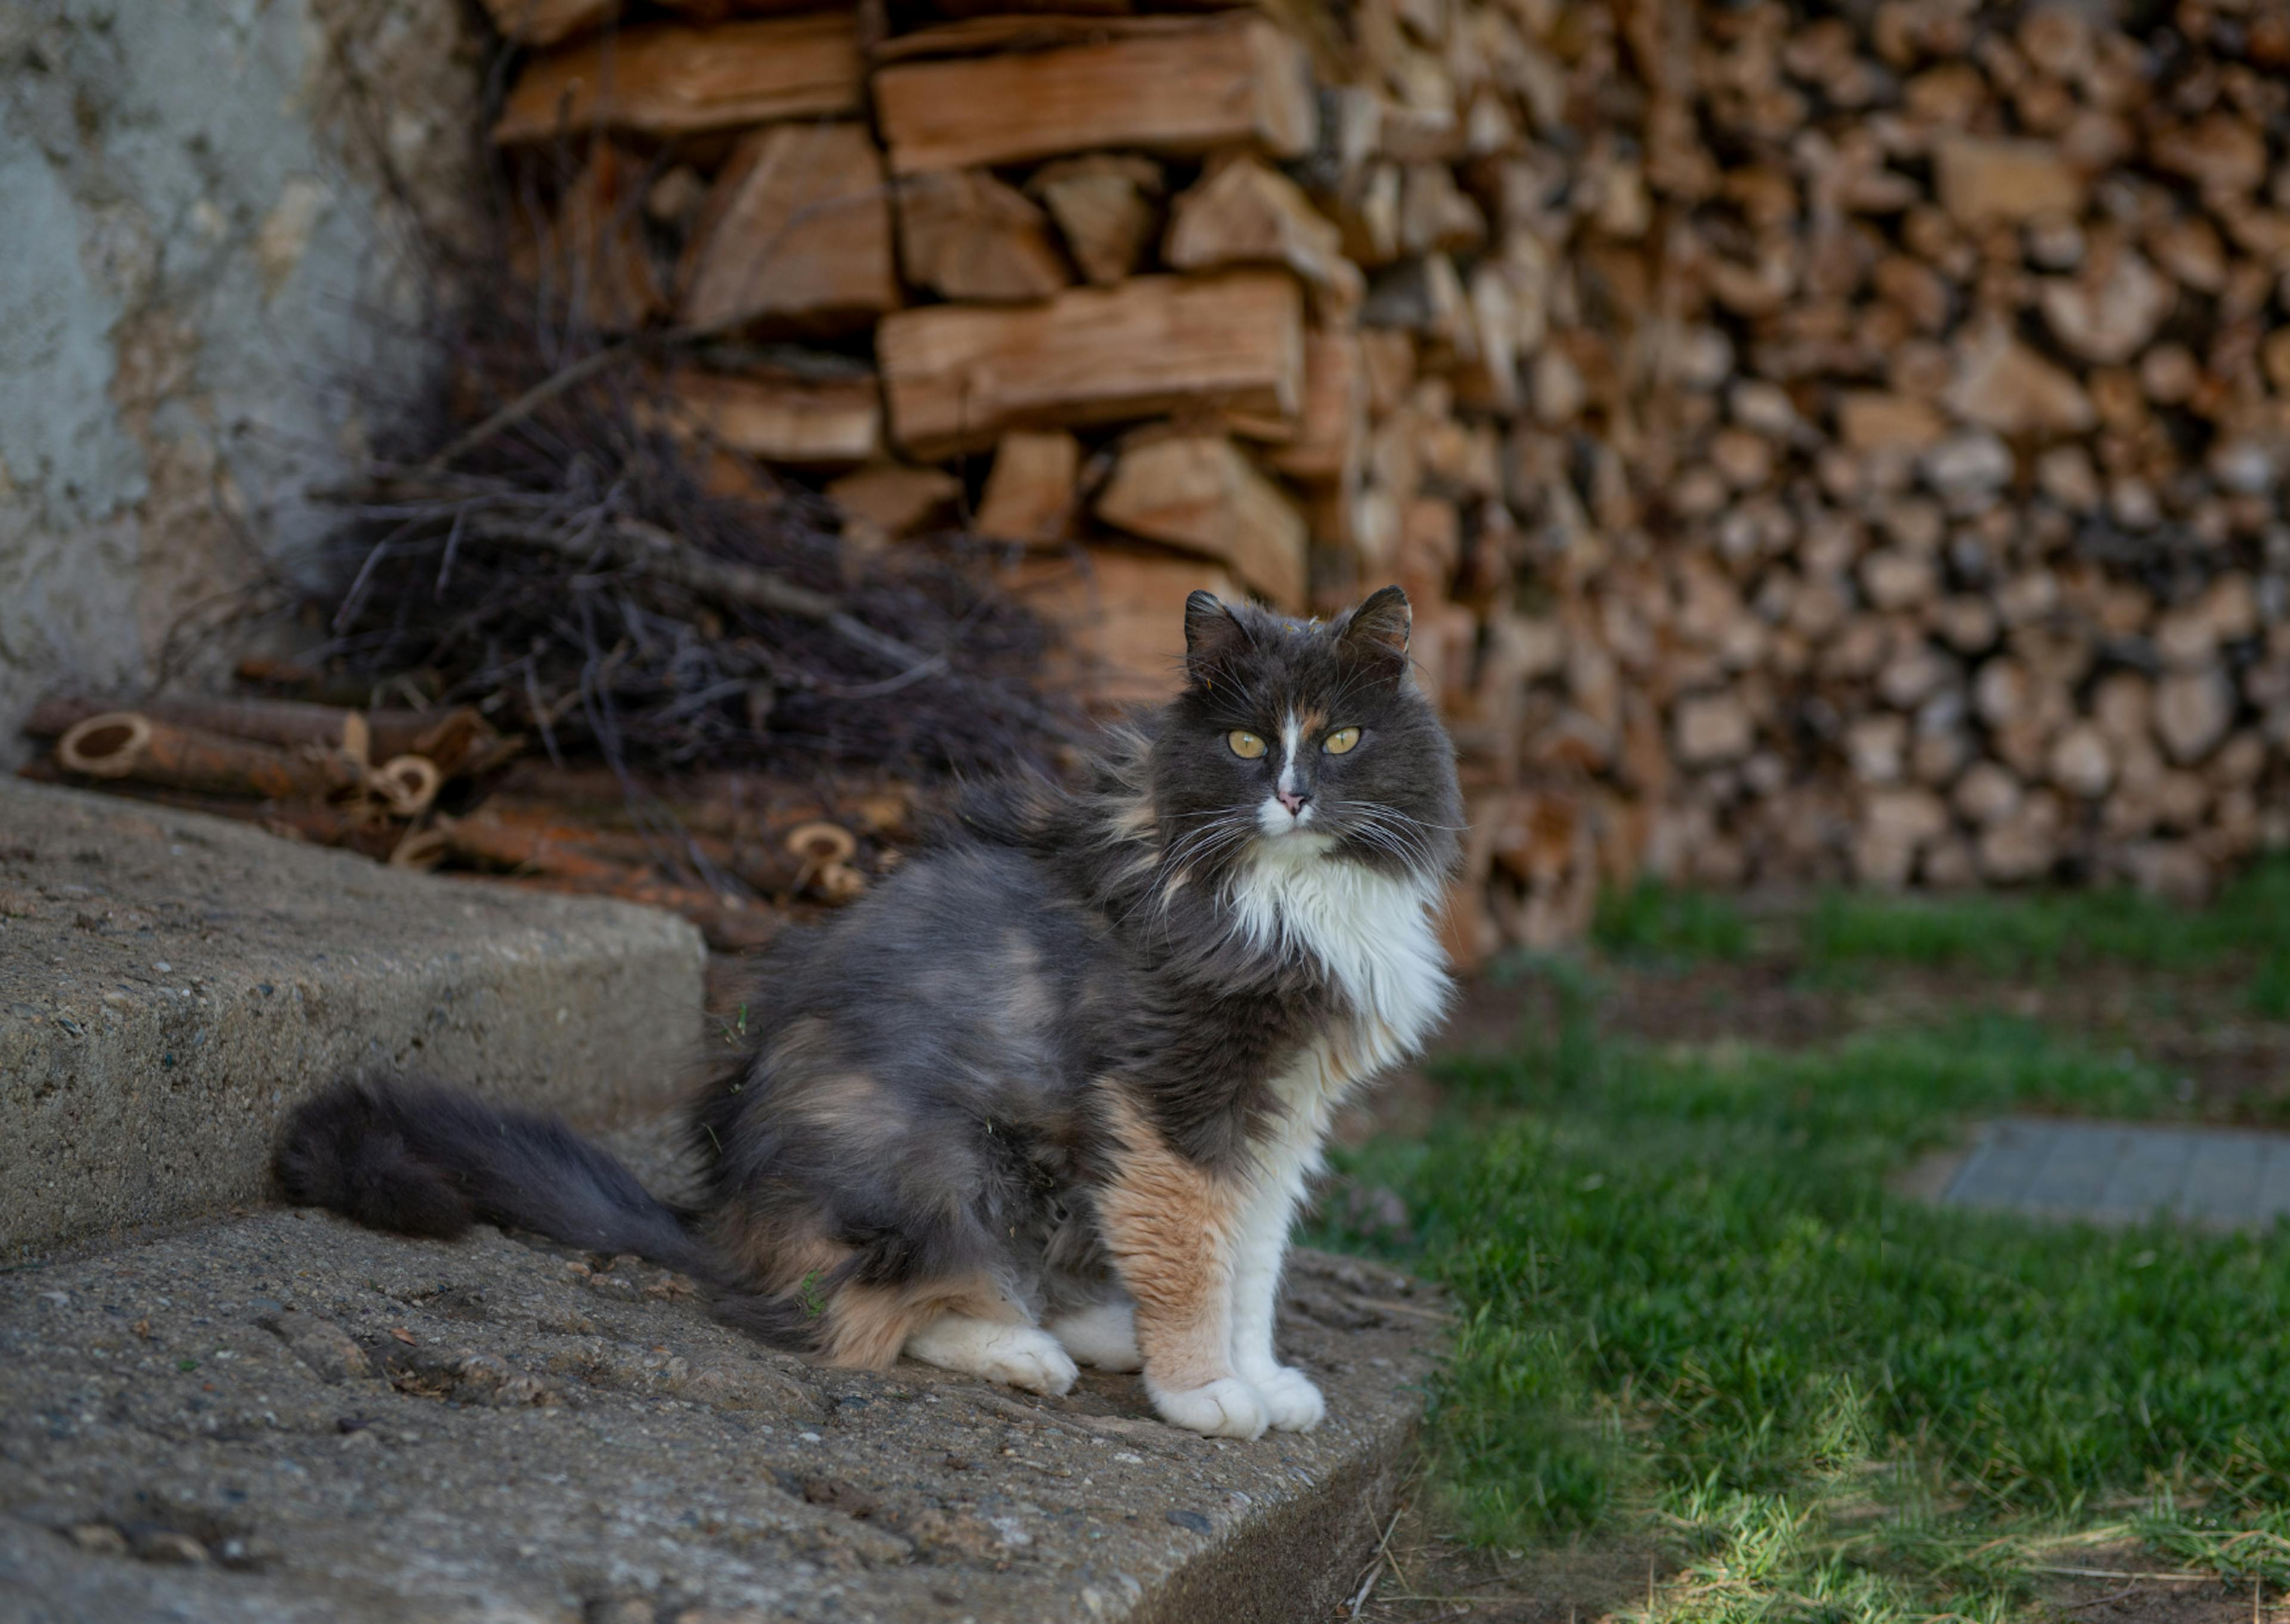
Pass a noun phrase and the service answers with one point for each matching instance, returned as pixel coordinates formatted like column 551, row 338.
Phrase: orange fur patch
column 867, row 1326
column 1169, row 1225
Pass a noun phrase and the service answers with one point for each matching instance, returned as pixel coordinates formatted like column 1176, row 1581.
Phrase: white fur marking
column 1285, row 1162
column 1103, row 1334
column 1372, row 933
column 1019, row 1356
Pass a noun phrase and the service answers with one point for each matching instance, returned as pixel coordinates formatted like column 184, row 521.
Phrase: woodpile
column 735, row 853
column 1818, row 445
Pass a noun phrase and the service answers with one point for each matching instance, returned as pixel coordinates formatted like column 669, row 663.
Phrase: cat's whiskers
column 1387, row 828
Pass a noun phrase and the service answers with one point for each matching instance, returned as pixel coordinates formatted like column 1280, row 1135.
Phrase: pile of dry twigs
column 542, row 547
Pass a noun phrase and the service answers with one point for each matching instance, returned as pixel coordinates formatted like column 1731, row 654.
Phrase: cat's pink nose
column 1293, row 799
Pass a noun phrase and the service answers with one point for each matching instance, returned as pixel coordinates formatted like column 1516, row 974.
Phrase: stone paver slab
column 2126, row 1172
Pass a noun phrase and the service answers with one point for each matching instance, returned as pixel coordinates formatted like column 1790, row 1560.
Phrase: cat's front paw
column 1291, row 1401
column 1024, row 1357
column 1225, row 1408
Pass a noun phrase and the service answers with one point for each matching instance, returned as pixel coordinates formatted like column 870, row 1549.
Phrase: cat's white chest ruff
column 1372, row 933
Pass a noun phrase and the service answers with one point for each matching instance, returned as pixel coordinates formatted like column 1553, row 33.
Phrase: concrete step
column 273, row 1416
column 283, row 1417
column 170, row 984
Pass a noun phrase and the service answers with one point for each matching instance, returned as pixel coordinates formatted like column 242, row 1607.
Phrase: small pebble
column 99, row 1539
column 165, row 1545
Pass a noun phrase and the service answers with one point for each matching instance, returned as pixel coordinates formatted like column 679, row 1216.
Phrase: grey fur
column 922, row 1092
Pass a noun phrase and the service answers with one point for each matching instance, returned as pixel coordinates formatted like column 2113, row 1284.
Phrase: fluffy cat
column 1052, row 1091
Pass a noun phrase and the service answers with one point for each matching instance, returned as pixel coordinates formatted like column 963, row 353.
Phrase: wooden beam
column 957, row 376
column 669, row 79
column 1183, row 93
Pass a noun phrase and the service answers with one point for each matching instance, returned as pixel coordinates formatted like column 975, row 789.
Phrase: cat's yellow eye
column 1245, row 745
column 1340, row 740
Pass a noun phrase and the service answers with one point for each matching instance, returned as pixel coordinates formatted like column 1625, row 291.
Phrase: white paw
column 1292, row 1402
column 1027, row 1358
column 1103, row 1335
column 1225, row 1408
column 1021, row 1356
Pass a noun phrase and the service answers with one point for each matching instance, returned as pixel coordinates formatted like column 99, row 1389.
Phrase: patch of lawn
column 1651, row 920
column 2044, row 931
column 1686, row 1295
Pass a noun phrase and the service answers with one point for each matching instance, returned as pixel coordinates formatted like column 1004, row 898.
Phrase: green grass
column 1651, row 920
column 1688, row 1297
column 2044, row 931
column 2038, row 933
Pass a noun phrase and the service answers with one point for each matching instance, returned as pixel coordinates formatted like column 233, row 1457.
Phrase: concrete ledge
column 280, row 1416
column 171, row 983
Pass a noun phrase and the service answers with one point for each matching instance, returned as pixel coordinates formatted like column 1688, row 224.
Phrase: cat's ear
column 1375, row 633
column 1213, row 637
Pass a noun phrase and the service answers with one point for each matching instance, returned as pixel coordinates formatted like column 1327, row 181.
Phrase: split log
column 667, row 79
column 1030, row 494
column 966, row 234
column 546, row 22
column 1983, row 182
column 1202, row 493
column 783, row 417
column 896, row 498
column 1435, row 216
column 1107, row 207
column 956, row 377
column 1332, row 433
column 794, row 236
column 1179, row 93
column 1245, row 213
column 1123, row 611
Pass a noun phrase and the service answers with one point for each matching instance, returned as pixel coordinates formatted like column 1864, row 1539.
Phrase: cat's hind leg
column 1103, row 1336
column 1019, row 1355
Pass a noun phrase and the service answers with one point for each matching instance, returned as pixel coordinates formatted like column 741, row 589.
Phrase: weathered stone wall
column 212, row 214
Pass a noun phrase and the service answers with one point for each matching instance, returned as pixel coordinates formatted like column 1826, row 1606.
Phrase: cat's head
column 1295, row 739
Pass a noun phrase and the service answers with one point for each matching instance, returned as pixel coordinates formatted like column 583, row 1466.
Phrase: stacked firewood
column 1814, row 448
column 443, row 791
column 1931, row 530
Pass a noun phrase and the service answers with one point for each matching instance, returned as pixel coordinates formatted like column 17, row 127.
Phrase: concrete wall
column 201, row 237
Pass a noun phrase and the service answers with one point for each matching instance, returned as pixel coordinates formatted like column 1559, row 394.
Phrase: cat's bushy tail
column 421, row 1159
